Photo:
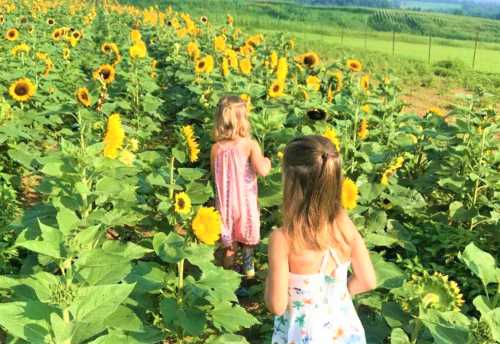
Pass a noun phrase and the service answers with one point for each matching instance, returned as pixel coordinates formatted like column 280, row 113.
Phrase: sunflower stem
column 171, row 191
column 477, row 187
column 180, row 281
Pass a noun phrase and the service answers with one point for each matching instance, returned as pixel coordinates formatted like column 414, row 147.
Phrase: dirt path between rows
column 420, row 99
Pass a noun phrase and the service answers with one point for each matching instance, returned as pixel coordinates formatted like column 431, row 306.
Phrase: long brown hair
column 312, row 178
column 231, row 119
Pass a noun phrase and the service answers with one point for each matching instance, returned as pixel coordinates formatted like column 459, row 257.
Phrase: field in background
column 427, row 6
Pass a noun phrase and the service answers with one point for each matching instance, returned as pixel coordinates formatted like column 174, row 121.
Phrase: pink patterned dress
column 236, row 201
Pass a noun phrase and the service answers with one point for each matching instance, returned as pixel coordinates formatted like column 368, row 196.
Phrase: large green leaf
column 388, row 274
column 447, row 327
column 97, row 303
column 227, row 339
column 231, row 318
column 62, row 330
column 492, row 318
column 67, row 220
column 170, row 248
column 191, row 320
column 148, row 277
column 50, row 245
column 100, row 267
column 481, row 263
column 399, row 336
column 26, row 320
column 128, row 250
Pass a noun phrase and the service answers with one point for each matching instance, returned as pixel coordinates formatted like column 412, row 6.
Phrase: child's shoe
column 248, row 264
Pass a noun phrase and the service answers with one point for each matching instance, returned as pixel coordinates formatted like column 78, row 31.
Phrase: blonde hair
column 231, row 119
column 312, row 173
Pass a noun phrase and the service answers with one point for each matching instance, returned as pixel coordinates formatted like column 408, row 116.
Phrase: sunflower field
column 108, row 232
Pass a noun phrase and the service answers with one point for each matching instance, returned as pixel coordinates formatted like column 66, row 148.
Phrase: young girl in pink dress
column 236, row 160
column 308, row 287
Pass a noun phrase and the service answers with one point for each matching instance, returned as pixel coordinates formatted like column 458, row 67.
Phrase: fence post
column 393, row 42
column 475, row 50
column 430, row 45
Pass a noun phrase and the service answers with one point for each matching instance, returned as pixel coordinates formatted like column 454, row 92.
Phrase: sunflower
column 107, row 48
column 246, row 66
column 354, row 65
column 436, row 111
column 204, row 20
column 66, row 53
column 386, row 203
column 20, row 49
column 57, row 34
column 365, row 82
column 138, row 50
column 182, row 203
column 309, row 59
column 232, row 57
column 282, row 69
column 273, row 60
column 363, row 130
column 276, row 89
column 2, row 19
column 22, row 90
column 135, row 35
column 194, row 147
column 254, row 40
column 316, row 114
column 204, row 65
column 12, row 34
column 247, row 99
column 365, row 108
column 82, row 95
column 106, row 73
column 51, row 21
column 127, row 157
column 428, row 291
column 229, row 20
column 193, row 50
column 76, row 35
column 225, row 67
column 113, row 140
column 220, row 43
column 331, row 135
column 207, row 225
column 339, row 80
column 349, row 197
column 391, row 170
column 330, row 94
column 313, row 82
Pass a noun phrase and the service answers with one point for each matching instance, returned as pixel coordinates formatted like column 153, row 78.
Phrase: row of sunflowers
column 108, row 230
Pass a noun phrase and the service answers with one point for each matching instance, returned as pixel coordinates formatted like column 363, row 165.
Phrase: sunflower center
column 309, row 60
column 21, row 89
column 201, row 65
column 181, row 203
column 105, row 73
column 12, row 34
column 84, row 96
column 276, row 88
column 51, row 22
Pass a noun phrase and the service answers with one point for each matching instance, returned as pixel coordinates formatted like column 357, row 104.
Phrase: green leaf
column 447, row 327
column 394, row 315
column 374, row 239
column 147, row 276
column 128, row 250
column 199, row 193
column 96, row 304
column 191, row 320
column 50, row 244
column 481, row 263
column 62, row 331
column 125, row 319
column 53, row 169
column 26, row 320
column 399, row 336
column 192, row 174
column 170, row 248
column 376, row 221
column 179, row 155
column 481, row 304
column 67, row 220
column 388, row 274
column 220, row 284
column 492, row 318
column 227, row 339
column 22, row 156
column 231, row 318
column 200, row 255
column 100, row 267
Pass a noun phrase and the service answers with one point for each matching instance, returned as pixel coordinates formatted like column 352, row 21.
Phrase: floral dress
column 320, row 309
column 236, row 196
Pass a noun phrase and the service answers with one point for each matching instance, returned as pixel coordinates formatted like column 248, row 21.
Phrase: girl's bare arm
column 363, row 278
column 276, row 293
column 260, row 163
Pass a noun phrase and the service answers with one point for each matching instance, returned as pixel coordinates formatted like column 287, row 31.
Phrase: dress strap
column 324, row 262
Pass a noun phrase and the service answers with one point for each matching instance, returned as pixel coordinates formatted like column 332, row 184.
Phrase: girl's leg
column 230, row 256
column 248, row 264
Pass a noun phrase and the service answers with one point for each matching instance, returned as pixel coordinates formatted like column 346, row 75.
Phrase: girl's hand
column 260, row 164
